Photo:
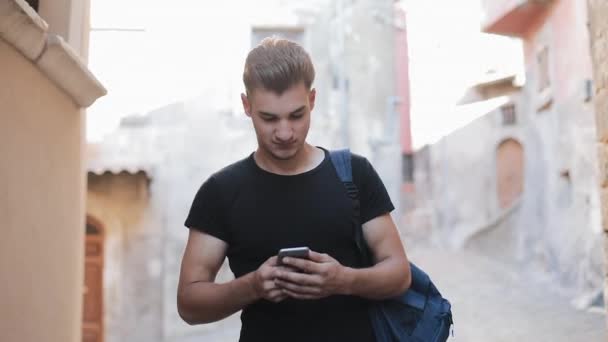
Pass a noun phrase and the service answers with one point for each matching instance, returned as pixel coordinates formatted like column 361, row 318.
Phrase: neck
column 306, row 159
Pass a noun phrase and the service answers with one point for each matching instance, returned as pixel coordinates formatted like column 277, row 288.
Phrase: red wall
column 403, row 81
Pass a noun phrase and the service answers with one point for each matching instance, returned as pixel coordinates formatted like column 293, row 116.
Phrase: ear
column 311, row 98
column 246, row 104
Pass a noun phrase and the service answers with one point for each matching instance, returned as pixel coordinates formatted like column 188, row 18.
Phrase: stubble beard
column 284, row 157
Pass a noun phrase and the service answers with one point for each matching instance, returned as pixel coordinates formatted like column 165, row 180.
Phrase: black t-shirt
column 257, row 213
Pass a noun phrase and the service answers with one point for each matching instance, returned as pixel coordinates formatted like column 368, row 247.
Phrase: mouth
column 285, row 146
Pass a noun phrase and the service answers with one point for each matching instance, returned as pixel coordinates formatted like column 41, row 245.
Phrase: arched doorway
column 509, row 172
column 92, row 314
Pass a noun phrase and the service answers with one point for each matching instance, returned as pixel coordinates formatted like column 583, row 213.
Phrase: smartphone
column 296, row 252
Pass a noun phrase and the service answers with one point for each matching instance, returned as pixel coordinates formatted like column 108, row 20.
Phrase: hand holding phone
column 296, row 252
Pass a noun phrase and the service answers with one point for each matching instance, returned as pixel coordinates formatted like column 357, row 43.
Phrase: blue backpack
column 420, row 314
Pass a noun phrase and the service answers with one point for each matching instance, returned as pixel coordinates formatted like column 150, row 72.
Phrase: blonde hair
column 277, row 64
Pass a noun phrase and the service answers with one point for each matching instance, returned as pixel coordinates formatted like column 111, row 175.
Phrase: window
column 588, row 90
column 292, row 33
column 508, row 114
column 544, row 80
column 92, row 229
column 407, row 167
column 33, row 4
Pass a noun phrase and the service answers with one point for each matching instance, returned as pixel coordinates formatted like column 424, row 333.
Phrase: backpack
column 420, row 314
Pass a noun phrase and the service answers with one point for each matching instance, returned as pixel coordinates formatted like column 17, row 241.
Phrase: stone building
column 45, row 87
column 143, row 176
column 598, row 10
column 520, row 182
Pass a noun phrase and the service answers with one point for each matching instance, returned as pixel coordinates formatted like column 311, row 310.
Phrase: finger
column 278, row 271
column 304, row 265
column 272, row 261
column 301, row 289
column 280, row 298
column 300, row 296
column 287, row 269
column 269, row 285
column 276, row 296
column 299, row 278
column 318, row 257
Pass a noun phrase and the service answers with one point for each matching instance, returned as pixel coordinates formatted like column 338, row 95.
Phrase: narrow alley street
column 490, row 304
column 129, row 125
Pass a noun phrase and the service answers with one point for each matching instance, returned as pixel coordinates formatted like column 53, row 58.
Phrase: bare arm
column 390, row 274
column 324, row 276
column 200, row 300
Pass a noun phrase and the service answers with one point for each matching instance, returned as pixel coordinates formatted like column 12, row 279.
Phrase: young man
column 287, row 194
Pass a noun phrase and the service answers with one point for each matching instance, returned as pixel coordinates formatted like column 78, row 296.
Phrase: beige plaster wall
column 41, row 205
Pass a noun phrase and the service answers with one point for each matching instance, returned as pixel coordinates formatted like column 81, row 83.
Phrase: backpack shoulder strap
column 341, row 161
column 421, row 287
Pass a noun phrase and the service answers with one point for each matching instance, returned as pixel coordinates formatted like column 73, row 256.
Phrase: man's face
column 281, row 122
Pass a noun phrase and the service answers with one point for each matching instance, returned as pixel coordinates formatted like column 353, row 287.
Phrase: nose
column 284, row 132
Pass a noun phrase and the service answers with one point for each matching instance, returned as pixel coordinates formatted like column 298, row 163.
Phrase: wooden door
column 509, row 172
column 92, row 317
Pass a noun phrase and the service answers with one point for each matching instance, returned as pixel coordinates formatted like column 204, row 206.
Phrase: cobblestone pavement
column 490, row 303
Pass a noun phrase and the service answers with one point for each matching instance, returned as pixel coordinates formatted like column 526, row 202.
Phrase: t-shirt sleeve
column 373, row 196
column 206, row 213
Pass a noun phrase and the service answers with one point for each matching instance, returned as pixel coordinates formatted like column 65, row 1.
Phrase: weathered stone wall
column 132, row 275
column 598, row 12
column 553, row 231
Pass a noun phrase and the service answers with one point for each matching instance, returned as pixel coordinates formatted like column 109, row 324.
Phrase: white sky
column 171, row 59
column 448, row 53
column 175, row 55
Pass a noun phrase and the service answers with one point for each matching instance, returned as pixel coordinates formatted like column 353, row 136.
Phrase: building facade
column 520, row 183
column 598, row 10
column 45, row 88
column 144, row 175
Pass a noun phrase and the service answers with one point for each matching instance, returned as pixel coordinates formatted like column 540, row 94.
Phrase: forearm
column 206, row 302
column 387, row 278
